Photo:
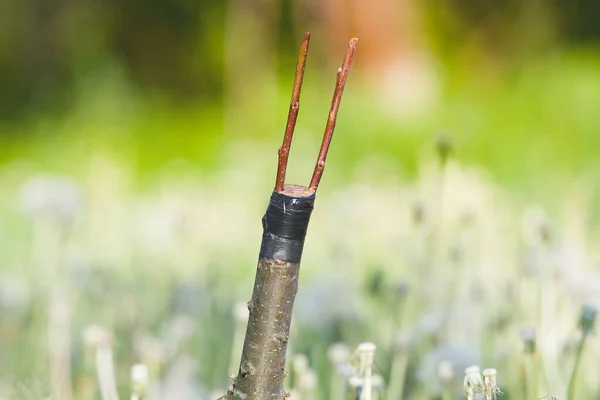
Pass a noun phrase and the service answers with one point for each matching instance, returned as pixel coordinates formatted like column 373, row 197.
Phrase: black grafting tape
column 284, row 227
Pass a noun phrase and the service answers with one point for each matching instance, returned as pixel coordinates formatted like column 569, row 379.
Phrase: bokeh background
column 139, row 145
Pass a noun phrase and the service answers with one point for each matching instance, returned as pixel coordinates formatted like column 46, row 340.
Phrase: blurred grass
column 529, row 127
column 147, row 165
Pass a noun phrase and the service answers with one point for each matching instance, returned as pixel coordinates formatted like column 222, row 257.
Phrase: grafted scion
column 285, row 224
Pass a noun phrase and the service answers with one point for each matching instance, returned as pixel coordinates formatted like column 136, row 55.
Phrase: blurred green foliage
column 518, row 83
column 190, row 99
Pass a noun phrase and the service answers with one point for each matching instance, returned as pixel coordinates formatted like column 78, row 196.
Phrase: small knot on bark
column 282, row 338
column 247, row 369
column 233, row 392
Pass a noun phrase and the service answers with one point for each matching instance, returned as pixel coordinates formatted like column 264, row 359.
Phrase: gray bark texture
column 261, row 372
column 262, row 365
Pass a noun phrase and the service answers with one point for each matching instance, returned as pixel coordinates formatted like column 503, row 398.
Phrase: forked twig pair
column 284, row 150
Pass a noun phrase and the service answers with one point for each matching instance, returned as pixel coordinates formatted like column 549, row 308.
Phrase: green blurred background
column 140, row 138
column 515, row 83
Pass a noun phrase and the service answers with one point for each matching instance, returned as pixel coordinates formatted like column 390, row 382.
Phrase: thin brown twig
column 284, row 150
column 333, row 111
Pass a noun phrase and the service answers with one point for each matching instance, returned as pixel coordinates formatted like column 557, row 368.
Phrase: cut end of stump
column 297, row 191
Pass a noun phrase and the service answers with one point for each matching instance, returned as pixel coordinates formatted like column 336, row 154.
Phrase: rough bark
column 261, row 370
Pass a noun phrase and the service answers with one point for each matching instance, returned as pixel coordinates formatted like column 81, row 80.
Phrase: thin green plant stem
column 530, row 381
column 309, row 385
column 446, row 376
column 106, row 372
column 355, row 387
column 447, row 393
column 336, row 385
column 397, row 375
column 586, row 323
column 338, row 354
column 59, row 340
column 572, row 380
column 100, row 340
column 529, row 365
column 401, row 293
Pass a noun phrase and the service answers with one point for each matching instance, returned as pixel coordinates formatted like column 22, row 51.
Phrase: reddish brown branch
column 333, row 111
column 284, row 150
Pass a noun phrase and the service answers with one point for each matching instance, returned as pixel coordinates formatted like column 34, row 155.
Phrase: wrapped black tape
column 284, row 227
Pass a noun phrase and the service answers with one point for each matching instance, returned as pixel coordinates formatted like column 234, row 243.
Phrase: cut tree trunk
column 262, row 365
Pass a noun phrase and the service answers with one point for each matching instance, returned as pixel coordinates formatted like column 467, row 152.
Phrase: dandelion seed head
column 491, row 389
column 473, row 382
column 95, row 335
column 14, row 295
column 51, row 195
column 588, row 318
column 309, row 379
column 431, row 322
column 528, row 336
column 446, row 371
column 322, row 304
column 459, row 356
column 300, row 363
column 339, row 353
column 139, row 374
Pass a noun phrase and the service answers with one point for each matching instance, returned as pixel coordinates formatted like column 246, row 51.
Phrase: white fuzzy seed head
column 139, row 374
column 366, row 348
column 53, row 195
column 445, row 371
column 95, row 336
column 473, row 380
column 309, row 380
column 528, row 335
column 14, row 294
column 378, row 382
column 300, row 363
column 241, row 313
column 491, row 389
column 490, row 373
column 182, row 328
column 355, row 381
column 338, row 353
column 149, row 348
column 366, row 354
